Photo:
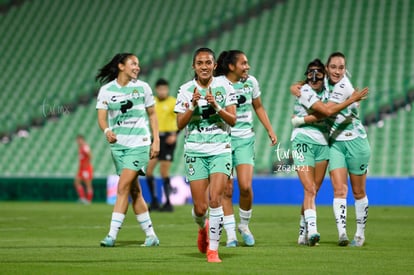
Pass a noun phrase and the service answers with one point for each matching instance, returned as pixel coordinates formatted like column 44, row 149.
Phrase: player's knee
column 200, row 209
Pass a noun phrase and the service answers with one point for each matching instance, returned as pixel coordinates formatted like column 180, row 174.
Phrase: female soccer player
column 85, row 171
column 233, row 66
column 125, row 107
column 349, row 152
column 310, row 148
column 206, row 108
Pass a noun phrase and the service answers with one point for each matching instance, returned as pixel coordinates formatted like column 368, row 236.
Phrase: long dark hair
column 224, row 60
column 110, row 71
column 201, row 50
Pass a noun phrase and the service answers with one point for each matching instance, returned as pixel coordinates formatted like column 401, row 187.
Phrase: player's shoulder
column 221, row 80
column 306, row 88
column 187, row 86
column 344, row 83
column 139, row 83
column 107, row 86
column 252, row 79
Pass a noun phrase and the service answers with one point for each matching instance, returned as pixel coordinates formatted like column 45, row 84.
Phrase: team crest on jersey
column 219, row 97
column 191, row 170
column 135, row 94
column 247, row 88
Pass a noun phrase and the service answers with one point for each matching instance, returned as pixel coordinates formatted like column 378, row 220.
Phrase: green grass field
column 63, row 238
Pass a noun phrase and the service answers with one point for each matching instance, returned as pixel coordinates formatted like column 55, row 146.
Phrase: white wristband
column 191, row 108
column 106, row 130
column 218, row 108
column 297, row 121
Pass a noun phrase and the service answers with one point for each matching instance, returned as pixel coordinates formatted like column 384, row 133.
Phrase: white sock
column 310, row 218
column 302, row 226
column 201, row 221
column 116, row 224
column 215, row 226
column 230, row 227
column 339, row 208
column 245, row 217
column 361, row 214
column 144, row 220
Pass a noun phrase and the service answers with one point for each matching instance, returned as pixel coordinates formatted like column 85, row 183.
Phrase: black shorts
column 166, row 150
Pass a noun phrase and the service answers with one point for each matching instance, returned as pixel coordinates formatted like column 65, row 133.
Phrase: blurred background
column 51, row 50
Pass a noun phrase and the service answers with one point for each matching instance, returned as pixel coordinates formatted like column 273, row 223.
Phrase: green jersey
column 207, row 134
column 345, row 125
column 127, row 115
column 246, row 91
column 317, row 131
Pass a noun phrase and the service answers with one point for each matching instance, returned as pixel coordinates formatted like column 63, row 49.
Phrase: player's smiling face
column 336, row 69
column 204, row 66
column 131, row 67
column 241, row 68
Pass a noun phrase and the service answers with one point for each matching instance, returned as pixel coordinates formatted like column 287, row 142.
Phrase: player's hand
column 360, row 95
column 155, row 148
column 111, row 137
column 295, row 88
column 196, row 97
column 272, row 137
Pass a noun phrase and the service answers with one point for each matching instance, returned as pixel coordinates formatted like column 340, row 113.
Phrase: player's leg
column 339, row 177
column 165, row 166
column 219, row 172
column 79, row 188
column 359, row 156
column 126, row 179
column 88, row 184
column 197, row 175
column 142, row 214
column 216, row 214
column 244, row 178
column 229, row 219
column 154, row 204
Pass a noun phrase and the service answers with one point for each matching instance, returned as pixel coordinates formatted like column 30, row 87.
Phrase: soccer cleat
column 246, row 235
column 151, row 241
column 154, row 206
column 84, row 201
column 213, row 257
column 167, row 208
column 303, row 237
column 358, row 241
column 314, row 239
column 202, row 240
column 343, row 240
column 108, row 241
column 231, row 243
column 303, row 240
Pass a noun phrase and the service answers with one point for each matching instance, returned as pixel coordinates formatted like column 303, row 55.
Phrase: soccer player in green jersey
column 310, row 148
column 125, row 108
column 349, row 151
column 206, row 108
column 233, row 66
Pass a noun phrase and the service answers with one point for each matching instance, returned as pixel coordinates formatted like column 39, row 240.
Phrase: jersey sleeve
column 256, row 87
column 307, row 97
column 182, row 101
column 342, row 90
column 231, row 98
column 149, row 97
column 102, row 101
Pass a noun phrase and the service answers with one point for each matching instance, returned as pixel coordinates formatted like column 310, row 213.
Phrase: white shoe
column 358, row 241
column 246, row 235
